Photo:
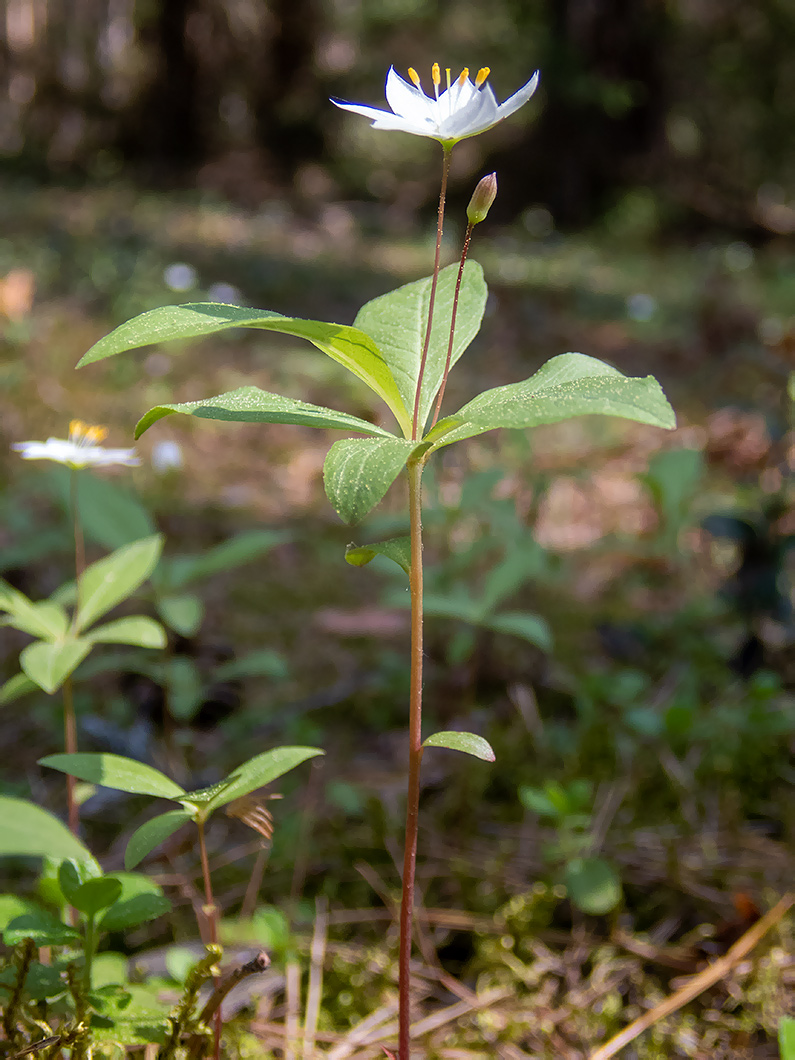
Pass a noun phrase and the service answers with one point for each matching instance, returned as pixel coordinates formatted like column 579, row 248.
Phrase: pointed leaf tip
column 349, row 346
column 398, row 550
column 116, row 771
column 468, row 742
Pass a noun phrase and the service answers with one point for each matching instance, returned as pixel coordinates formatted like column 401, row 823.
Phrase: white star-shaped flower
column 81, row 449
column 463, row 109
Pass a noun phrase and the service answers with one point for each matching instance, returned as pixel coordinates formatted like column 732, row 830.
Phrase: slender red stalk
column 467, row 238
column 70, row 746
column 211, row 914
column 439, row 228
column 69, row 718
column 415, row 757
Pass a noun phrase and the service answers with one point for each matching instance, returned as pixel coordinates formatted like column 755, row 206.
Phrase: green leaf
column 398, row 320
column 185, row 687
column 15, row 687
column 537, row 801
column 358, row 472
column 455, row 604
column 178, row 571
column 349, row 346
column 96, row 895
column 593, row 885
column 522, row 624
column 786, row 1026
column 137, row 629
column 45, row 619
column 73, row 874
column 183, row 613
column 12, row 906
column 49, row 664
column 256, row 773
column 567, row 386
column 41, row 926
column 112, row 579
column 249, row 404
column 27, row 830
column 467, row 742
column 114, row 771
column 444, row 426
column 140, row 899
column 42, row 981
column 110, row 514
column 521, row 563
column 265, row 663
column 398, row 550
column 152, row 834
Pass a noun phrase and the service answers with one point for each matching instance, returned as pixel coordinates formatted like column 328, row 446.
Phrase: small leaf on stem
column 468, row 742
column 398, row 550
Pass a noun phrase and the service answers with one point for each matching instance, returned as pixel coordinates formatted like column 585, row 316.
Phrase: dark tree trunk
column 285, row 101
column 604, row 85
column 164, row 126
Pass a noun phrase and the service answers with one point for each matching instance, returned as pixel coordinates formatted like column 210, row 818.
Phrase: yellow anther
column 463, row 75
column 482, row 75
column 415, row 77
column 84, row 433
column 435, row 74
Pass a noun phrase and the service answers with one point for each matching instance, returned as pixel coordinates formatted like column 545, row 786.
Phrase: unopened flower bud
column 482, row 198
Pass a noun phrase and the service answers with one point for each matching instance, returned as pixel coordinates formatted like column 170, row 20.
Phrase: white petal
column 396, row 123
column 357, row 108
column 405, row 99
column 479, row 114
column 519, row 98
column 53, row 449
column 105, row 457
column 461, row 93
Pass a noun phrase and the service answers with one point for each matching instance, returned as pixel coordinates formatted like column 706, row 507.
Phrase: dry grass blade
column 429, row 1023
column 362, row 1031
column 292, row 1008
column 315, row 988
column 699, row 983
column 452, row 1012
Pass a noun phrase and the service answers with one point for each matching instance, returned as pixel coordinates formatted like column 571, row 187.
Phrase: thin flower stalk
column 415, row 468
column 460, row 276
column 416, row 425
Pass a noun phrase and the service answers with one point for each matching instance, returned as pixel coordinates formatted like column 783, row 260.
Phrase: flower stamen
column 463, row 76
column 447, row 71
column 415, row 77
column 483, row 74
column 84, row 434
column 437, row 78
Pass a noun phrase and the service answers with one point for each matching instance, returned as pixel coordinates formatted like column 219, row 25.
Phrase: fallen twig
column 315, row 989
column 699, row 983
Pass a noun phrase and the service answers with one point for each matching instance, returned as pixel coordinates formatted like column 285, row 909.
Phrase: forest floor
column 655, row 735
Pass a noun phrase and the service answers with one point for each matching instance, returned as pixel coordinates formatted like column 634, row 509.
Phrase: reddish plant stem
column 439, row 228
column 414, row 469
column 70, row 746
column 69, row 718
column 80, row 548
column 467, row 238
column 210, row 911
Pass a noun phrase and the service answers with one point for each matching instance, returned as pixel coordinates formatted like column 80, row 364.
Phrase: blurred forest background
column 691, row 100
column 641, row 706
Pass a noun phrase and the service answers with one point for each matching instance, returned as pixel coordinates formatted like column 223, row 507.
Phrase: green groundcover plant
column 402, row 346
